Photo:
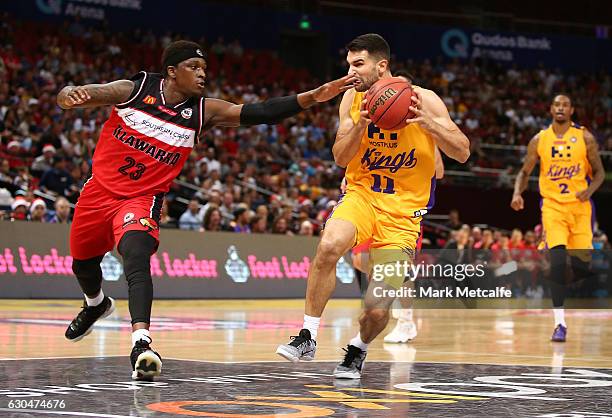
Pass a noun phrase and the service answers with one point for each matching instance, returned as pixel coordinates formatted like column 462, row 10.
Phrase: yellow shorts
column 386, row 230
column 568, row 224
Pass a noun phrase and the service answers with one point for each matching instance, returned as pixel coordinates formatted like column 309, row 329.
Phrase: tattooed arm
column 92, row 95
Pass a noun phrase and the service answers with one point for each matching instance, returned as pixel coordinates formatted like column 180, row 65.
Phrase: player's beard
column 366, row 82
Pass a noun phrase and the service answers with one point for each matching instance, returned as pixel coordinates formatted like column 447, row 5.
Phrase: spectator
column 259, row 224
column 189, row 219
column 57, row 181
column 62, row 212
column 228, row 207
column 38, row 209
column 306, row 229
column 241, row 223
column 214, row 200
column 281, row 226
column 516, row 239
column 210, row 161
column 454, row 222
column 212, row 220
column 476, row 236
column 45, row 161
column 486, row 241
column 19, row 209
column 5, row 173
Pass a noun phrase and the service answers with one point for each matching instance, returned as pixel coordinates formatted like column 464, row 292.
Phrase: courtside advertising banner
column 35, row 263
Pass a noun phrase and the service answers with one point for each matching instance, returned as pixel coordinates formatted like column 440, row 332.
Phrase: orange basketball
column 388, row 102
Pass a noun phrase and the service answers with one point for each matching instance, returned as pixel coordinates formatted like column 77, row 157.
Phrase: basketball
column 388, row 102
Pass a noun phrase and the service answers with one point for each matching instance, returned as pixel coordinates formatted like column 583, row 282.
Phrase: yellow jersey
column 564, row 166
column 396, row 169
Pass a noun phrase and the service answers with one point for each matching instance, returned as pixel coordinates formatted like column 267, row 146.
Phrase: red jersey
column 144, row 143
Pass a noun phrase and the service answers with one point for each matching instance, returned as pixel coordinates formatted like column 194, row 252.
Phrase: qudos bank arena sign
column 457, row 43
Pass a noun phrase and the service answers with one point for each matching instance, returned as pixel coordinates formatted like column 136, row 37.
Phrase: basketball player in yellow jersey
column 570, row 172
column 390, row 176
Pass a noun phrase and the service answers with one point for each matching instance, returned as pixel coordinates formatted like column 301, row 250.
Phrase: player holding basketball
column 390, row 176
column 570, row 172
column 155, row 122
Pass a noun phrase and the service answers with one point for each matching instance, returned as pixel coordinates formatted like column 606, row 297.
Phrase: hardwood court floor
column 219, row 361
column 236, row 330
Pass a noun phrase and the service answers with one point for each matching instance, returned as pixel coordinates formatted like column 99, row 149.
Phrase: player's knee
column 136, row 248
column 376, row 314
column 89, row 267
column 330, row 249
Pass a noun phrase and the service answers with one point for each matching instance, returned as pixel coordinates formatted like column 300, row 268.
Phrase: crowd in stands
column 278, row 179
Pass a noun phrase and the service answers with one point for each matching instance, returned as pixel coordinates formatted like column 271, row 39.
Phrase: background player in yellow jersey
column 570, row 172
column 390, row 176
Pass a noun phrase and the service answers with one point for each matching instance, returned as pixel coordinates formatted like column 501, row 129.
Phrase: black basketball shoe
column 146, row 363
column 352, row 365
column 83, row 323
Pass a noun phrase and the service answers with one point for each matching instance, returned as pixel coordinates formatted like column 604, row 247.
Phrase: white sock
column 559, row 316
column 405, row 315
column 358, row 342
column 141, row 334
column 311, row 323
column 95, row 301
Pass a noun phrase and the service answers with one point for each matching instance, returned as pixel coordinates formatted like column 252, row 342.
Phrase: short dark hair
column 562, row 94
column 174, row 48
column 371, row 42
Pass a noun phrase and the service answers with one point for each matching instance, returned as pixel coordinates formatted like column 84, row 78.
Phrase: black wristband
column 270, row 111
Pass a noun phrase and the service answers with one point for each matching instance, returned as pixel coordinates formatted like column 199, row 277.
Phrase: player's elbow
column 340, row 161
column 464, row 151
column 463, row 155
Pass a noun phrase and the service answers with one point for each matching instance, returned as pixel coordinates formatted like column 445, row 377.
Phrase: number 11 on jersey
column 389, row 184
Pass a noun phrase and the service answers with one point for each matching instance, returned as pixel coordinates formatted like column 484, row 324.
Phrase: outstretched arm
column 596, row 165
column 522, row 178
column 272, row 111
column 432, row 115
column 92, row 95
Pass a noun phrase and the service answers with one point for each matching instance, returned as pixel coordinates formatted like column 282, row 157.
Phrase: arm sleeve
column 270, row 111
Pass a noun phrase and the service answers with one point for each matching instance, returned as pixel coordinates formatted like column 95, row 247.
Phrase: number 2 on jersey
column 389, row 188
column 564, row 188
column 133, row 174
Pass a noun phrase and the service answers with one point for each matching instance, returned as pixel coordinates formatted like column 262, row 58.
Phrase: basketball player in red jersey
column 155, row 122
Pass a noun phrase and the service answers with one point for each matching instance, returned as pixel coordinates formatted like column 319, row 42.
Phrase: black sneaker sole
column 108, row 311
column 148, row 365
